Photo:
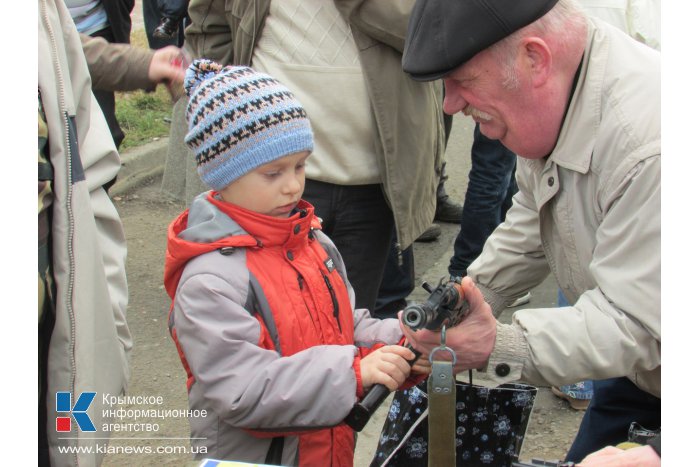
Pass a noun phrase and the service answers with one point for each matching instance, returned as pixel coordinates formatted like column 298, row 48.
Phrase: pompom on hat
column 240, row 119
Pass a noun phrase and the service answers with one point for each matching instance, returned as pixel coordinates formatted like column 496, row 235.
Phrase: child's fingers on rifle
column 400, row 350
column 368, row 370
column 396, row 357
column 396, row 376
column 381, row 372
column 385, row 366
column 391, row 383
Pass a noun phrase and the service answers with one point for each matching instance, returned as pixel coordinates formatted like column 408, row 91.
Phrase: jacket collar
column 267, row 230
column 208, row 225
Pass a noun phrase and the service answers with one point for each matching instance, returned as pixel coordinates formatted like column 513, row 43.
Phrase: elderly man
column 579, row 102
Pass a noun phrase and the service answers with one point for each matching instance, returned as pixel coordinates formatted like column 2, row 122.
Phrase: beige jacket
column 590, row 214
column 90, row 344
column 408, row 114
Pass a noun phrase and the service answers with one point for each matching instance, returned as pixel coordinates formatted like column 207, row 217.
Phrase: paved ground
column 137, row 16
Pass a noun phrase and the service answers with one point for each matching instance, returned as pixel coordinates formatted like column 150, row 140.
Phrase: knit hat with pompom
column 239, row 119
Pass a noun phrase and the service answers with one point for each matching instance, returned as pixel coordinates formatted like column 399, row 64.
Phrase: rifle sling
column 442, row 392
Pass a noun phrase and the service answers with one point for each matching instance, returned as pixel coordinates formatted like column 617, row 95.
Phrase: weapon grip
column 362, row 411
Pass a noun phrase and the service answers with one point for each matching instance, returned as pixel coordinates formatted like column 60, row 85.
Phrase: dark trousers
column 45, row 330
column 151, row 19
column 176, row 9
column 359, row 221
column 106, row 98
column 616, row 403
column 488, row 198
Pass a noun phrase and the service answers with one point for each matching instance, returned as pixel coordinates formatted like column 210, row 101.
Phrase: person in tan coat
column 123, row 67
column 579, row 101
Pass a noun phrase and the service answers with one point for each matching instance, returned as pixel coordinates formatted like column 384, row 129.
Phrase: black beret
column 444, row 34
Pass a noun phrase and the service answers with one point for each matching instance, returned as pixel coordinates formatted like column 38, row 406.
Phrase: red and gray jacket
column 263, row 318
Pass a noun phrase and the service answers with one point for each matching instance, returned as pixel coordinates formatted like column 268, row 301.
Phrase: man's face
column 513, row 114
column 273, row 189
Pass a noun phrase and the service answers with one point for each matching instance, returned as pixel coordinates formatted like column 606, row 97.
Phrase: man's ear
column 537, row 59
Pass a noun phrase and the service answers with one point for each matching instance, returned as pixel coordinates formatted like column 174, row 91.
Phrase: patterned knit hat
column 240, row 119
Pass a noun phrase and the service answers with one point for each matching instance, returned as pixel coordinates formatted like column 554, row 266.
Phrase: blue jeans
column 488, row 198
column 616, row 403
column 106, row 98
column 581, row 390
column 359, row 221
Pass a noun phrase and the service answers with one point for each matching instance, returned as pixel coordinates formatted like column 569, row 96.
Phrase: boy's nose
column 293, row 185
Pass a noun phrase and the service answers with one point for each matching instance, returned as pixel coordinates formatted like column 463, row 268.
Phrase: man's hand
column 642, row 456
column 387, row 365
column 472, row 339
column 168, row 67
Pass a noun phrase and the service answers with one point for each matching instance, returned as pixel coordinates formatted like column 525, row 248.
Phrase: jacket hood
column 209, row 225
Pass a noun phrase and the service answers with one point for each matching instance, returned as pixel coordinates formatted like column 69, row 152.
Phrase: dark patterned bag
column 490, row 426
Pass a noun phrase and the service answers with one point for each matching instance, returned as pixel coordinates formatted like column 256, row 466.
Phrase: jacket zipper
column 300, row 280
column 69, row 198
column 336, row 308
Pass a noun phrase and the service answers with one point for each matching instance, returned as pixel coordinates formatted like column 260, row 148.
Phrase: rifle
column 445, row 306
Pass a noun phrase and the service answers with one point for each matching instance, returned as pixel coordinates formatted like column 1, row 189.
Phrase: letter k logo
column 79, row 411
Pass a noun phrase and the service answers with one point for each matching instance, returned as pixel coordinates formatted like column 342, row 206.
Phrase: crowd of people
column 309, row 147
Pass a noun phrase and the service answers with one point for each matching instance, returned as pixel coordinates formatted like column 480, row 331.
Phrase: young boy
column 262, row 310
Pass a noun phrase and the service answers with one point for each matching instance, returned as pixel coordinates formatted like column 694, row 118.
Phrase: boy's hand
column 387, row 365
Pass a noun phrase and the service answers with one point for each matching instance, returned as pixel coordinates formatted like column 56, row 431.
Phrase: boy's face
column 273, row 189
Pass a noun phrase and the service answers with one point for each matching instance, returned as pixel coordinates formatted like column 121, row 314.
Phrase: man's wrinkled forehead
column 444, row 34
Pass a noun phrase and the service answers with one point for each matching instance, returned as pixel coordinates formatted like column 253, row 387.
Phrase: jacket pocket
column 237, row 8
column 243, row 14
